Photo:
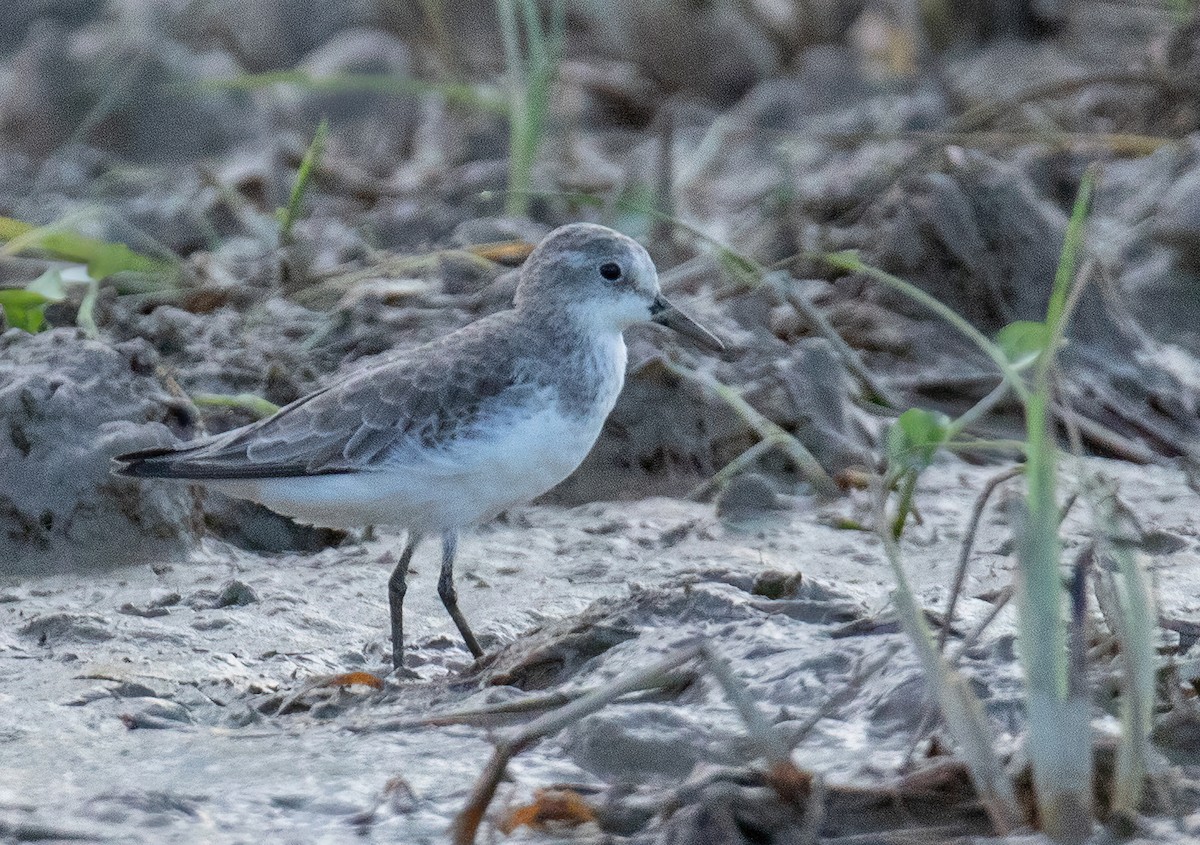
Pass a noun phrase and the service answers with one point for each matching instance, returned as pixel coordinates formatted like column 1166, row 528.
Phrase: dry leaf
column 562, row 806
column 508, row 253
column 349, row 679
column 853, row 478
column 790, row 783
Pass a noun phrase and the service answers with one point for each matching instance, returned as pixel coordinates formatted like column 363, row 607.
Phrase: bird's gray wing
column 424, row 399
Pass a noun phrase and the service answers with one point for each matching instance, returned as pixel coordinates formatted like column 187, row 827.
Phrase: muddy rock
column 125, row 89
column 687, row 438
column 369, row 125
column 17, row 18
column 265, row 35
column 40, row 100
column 164, row 114
column 259, row 350
column 660, row 741
column 748, row 496
column 67, row 406
column 711, row 50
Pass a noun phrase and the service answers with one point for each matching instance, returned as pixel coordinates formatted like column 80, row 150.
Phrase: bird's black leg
column 449, row 595
column 397, row 586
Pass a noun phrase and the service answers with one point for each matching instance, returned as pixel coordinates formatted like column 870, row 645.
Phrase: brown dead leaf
column 853, row 478
column 508, row 253
column 561, row 806
column 350, row 679
column 790, row 783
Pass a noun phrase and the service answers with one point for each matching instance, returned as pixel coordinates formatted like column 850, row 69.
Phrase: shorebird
column 452, row 433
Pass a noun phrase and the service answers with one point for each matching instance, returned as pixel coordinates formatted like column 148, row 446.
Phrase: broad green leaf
column 1023, row 341
column 101, row 257
column 914, row 438
column 24, row 309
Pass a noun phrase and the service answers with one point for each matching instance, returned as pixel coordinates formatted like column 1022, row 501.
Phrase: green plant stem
column 977, row 411
column 737, row 465
column 904, row 504
column 312, row 158
column 473, row 96
column 59, row 240
column 1059, row 731
column 1136, row 635
column 531, row 78
column 767, row 429
column 960, row 706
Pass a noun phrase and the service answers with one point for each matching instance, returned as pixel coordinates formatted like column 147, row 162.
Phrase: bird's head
column 603, row 279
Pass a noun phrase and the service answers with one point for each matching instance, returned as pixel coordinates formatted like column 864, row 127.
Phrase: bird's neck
column 586, row 365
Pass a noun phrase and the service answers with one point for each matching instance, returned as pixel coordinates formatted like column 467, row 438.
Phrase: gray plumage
column 428, row 397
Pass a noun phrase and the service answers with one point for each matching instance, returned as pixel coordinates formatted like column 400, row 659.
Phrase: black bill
column 666, row 314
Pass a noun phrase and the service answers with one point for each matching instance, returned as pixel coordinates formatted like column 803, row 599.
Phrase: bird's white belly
column 517, row 458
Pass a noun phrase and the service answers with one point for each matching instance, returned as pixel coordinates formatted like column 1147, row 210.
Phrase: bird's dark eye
column 610, row 270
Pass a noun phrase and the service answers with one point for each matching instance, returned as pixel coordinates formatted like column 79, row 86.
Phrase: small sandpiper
column 450, row 434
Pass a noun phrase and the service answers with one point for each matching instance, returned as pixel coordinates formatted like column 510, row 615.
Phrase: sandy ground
column 137, row 705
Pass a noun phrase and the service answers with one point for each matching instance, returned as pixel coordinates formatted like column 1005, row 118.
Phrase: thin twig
column 766, row 428
column 960, row 706
column 466, row 823
column 987, row 112
column 483, row 716
column 722, row 476
column 848, row 356
column 862, row 673
column 982, row 115
column 766, row 736
column 1077, row 646
column 964, row 553
column 1001, row 601
column 1106, row 438
column 849, row 261
column 662, row 232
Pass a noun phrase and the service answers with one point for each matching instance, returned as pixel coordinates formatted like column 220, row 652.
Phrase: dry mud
column 144, row 705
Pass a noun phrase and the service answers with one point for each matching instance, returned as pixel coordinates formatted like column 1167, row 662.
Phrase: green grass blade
column 1133, row 626
column 86, row 318
column 531, row 78
column 535, row 36
column 1064, row 275
column 1059, row 729
column 473, row 96
column 312, row 158
column 768, row 430
column 850, row 262
column 256, row 405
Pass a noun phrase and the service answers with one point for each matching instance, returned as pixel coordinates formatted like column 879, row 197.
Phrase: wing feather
column 422, row 400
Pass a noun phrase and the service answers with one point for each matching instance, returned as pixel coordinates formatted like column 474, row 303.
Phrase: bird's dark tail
column 159, row 462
